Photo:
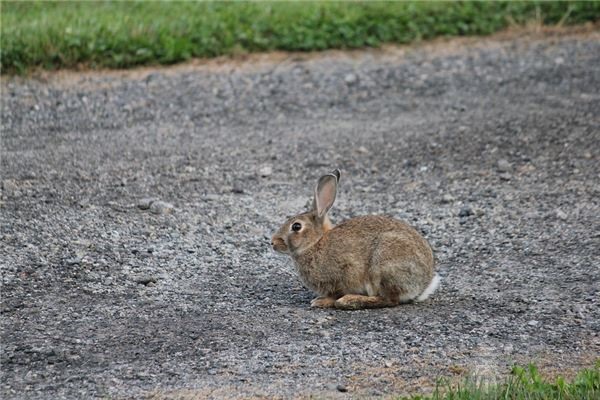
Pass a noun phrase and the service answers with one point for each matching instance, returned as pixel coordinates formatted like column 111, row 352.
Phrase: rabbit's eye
column 296, row 226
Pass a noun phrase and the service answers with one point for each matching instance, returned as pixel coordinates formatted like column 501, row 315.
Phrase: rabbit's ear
column 325, row 193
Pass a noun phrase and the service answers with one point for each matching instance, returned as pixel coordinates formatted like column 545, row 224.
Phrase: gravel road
column 136, row 211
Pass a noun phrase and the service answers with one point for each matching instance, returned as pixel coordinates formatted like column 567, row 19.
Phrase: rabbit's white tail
column 435, row 282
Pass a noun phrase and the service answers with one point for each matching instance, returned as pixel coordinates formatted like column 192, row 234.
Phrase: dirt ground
column 136, row 211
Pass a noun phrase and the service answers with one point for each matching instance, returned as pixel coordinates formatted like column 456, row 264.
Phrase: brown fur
column 364, row 262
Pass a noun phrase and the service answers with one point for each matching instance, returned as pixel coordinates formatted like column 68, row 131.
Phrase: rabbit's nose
column 277, row 243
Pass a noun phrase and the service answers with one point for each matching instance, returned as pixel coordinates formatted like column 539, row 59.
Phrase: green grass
column 523, row 384
column 112, row 34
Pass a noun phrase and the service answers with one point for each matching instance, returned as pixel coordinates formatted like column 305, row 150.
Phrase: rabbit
column 364, row 262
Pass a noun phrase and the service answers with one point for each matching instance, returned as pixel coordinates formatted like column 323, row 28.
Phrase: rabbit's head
column 304, row 230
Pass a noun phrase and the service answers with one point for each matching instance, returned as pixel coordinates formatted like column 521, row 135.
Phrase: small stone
column 533, row 322
column 526, row 169
column 341, row 388
column 465, row 211
column 10, row 186
column 325, row 333
column 531, row 215
column 145, row 280
column 161, row 207
column 447, row 198
column 587, row 155
column 74, row 261
column 362, row 150
column 116, row 206
column 237, row 190
column 505, row 176
column 145, row 203
column 503, row 166
column 265, row 170
column 561, row 214
column 350, row 79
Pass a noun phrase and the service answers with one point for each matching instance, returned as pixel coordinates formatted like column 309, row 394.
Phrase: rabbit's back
column 343, row 260
column 368, row 232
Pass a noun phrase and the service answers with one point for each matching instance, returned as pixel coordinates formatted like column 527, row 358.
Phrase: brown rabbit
column 364, row 262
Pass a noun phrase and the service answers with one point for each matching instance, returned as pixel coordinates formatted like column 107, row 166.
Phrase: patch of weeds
column 524, row 383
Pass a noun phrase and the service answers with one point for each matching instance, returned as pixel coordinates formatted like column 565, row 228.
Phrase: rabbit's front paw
column 323, row 302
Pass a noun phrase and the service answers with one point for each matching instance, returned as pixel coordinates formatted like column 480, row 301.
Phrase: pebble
column 505, row 176
column 465, row 211
column 145, row 280
column 211, row 197
column 447, row 198
column 531, row 215
column 265, row 171
column 341, row 388
column 10, row 186
column 350, row 79
column 73, row 261
column 145, row 203
column 561, row 214
column 503, row 166
column 161, row 207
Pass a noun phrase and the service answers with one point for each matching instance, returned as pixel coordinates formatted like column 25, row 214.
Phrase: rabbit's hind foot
column 358, row 302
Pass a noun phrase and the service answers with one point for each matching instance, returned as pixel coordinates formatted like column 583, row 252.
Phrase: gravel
column 136, row 212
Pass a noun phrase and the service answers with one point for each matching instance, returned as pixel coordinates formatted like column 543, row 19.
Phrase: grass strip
column 117, row 34
column 523, row 384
